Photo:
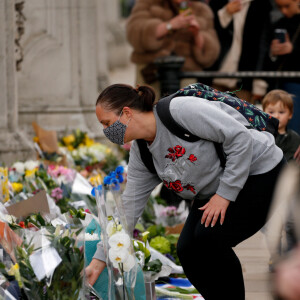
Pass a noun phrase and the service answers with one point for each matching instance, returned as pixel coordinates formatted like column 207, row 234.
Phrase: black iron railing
column 170, row 74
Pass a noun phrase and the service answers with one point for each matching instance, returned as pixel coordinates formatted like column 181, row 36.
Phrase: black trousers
column 206, row 254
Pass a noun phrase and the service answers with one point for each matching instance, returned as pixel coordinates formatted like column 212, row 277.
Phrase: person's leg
column 207, row 263
column 206, row 254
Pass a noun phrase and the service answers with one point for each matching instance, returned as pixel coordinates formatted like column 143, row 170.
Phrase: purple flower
column 136, row 233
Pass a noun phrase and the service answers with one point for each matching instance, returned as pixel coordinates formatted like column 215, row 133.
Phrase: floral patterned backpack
column 257, row 119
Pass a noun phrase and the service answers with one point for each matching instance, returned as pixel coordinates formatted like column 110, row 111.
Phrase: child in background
column 279, row 104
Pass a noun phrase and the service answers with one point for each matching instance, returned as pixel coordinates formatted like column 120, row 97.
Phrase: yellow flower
column 30, row 173
column 69, row 139
column 17, row 187
column 87, row 141
column 95, row 180
column 36, row 139
column 70, row 147
column 4, row 192
column 15, row 271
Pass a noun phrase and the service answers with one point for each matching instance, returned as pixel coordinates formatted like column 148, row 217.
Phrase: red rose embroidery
column 176, row 186
column 190, row 188
column 166, row 183
column 179, row 151
column 192, row 158
column 175, row 152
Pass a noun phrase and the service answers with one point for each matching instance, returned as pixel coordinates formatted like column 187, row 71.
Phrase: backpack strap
column 163, row 111
column 146, row 156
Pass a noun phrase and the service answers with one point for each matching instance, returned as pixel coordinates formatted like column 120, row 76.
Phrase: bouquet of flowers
column 50, row 263
column 121, row 261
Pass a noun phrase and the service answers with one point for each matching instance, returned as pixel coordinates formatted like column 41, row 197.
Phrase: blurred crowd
column 220, row 35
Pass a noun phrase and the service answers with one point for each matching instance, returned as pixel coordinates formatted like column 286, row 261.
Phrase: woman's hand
column 181, row 21
column 212, row 209
column 233, row 7
column 93, row 270
column 278, row 48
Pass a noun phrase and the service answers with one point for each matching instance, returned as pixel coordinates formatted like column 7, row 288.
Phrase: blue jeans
column 294, row 89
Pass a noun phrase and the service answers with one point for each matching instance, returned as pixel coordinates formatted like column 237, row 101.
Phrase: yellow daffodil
column 69, row 139
column 87, row 141
column 17, row 187
column 30, row 173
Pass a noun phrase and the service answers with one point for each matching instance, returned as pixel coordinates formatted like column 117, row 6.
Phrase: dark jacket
column 255, row 40
column 288, row 143
column 288, row 62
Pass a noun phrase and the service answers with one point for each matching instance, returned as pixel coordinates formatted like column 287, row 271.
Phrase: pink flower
column 57, row 194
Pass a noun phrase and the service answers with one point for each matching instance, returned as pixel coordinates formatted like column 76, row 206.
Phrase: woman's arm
column 140, row 184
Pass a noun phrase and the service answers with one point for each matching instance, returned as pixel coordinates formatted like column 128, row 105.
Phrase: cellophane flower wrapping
column 50, row 260
column 117, row 242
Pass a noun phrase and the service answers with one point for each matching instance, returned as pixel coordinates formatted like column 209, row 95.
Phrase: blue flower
column 119, row 170
column 99, row 188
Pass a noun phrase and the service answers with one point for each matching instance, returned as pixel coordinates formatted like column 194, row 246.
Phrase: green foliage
column 161, row 244
column 155, row 230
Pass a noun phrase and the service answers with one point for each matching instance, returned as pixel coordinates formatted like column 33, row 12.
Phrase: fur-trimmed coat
column 141, row 27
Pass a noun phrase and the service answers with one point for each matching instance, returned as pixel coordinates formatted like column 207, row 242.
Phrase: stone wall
column 64, row 50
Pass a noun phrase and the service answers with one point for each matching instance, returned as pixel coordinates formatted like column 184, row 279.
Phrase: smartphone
column 183, row 6
column 279, row 34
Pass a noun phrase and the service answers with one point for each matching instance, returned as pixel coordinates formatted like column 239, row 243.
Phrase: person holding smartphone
column 158, row 28
column 242, row 30
column 284, row 53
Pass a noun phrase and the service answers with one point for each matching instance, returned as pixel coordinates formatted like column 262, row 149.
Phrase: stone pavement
column 253, row 253
column 254, row 257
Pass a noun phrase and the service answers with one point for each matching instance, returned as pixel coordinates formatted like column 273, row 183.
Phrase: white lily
column 119, row 241
column 118, row 257
column 129, row 263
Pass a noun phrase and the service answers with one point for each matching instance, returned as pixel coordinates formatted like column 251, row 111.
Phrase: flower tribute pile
column 46, row 207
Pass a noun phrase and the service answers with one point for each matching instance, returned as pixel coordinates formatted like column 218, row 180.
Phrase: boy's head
column 279, row 104
column 288, row 8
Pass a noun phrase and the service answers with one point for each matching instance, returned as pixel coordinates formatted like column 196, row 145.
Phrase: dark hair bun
column 147, row 96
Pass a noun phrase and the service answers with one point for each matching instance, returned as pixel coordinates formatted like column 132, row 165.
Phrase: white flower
column 111, row 228
column 91, row 237
column 19, row 166
column 30, row 165
column 10, row 219
column 129, row 263
column 117, row 257
column 119, row 241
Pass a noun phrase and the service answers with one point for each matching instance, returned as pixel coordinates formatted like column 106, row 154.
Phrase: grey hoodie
column 193, row 168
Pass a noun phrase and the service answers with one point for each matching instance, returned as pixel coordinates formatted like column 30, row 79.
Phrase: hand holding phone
column 280, row 35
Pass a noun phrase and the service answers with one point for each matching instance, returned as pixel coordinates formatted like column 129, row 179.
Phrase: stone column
column 13, row 142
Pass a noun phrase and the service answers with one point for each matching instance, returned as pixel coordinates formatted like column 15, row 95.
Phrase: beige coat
column 148, row 14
